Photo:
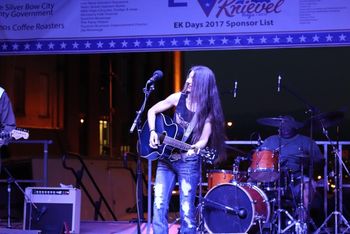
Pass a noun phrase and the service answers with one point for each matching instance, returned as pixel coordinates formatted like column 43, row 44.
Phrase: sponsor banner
column 98, row 26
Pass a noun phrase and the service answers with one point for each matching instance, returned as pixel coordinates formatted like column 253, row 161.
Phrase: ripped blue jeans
column 187, row 174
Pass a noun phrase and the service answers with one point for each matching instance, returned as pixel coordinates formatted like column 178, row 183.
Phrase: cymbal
column 279, row 121
column 271, row 121
column 325, row 120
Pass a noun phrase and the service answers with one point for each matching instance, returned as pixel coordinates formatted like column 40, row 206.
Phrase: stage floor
column 94, row 227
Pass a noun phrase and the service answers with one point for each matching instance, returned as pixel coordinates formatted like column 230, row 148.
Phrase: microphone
column 41, row 213
column 279, row 84
column 235, row 90
column 157, row 75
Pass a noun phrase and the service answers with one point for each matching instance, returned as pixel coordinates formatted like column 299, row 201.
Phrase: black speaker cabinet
column 52, row 210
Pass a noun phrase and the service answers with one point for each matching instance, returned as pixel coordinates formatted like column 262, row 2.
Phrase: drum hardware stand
column 338, row 165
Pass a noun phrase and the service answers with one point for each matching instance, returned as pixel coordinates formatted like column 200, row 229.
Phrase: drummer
column 295, row 150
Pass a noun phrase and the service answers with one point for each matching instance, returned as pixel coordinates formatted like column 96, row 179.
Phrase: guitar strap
column 189, row 129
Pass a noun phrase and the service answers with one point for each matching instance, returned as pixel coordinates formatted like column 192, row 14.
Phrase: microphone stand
column 301, row 226
column 137, row 124
column 338, row 165
column 11, row 180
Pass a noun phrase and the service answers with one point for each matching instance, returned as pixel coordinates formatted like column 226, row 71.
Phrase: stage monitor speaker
column 52, row 210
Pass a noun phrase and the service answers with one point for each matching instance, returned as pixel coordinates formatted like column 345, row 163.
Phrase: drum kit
column 251, row 201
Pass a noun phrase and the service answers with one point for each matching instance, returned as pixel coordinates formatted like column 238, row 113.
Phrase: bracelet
column 152, row 130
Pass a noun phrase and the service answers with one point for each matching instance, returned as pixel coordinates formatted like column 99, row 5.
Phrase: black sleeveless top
column 183, row 116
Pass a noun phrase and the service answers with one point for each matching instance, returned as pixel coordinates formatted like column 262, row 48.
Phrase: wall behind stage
column 318, row 76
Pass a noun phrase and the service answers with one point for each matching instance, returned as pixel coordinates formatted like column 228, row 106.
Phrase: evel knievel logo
column 231, row 8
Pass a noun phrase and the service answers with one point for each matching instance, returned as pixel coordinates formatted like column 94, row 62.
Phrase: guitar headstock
column 19, row 133
column 209, row 155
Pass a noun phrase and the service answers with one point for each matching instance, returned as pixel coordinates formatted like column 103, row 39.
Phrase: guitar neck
column 176, row 143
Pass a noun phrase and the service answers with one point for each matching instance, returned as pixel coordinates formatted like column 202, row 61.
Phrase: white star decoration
column 342, row 37
column 99, row 44
column 211, row 41
column 124, row 44
column 38, row 46
column 4, row 46
column 302, row 38
column 75, row 45
column 15, row 46
column 250, row 40
column 329, row 37
column 276, row 39
column 237, row 40
column 137, row 43
column 292, row 39
column 173, row 42
column 161, row 42
column 51, row 46
column 224, row 41
column 187, row 42
column 316, row 38
column 263, row 40
column 111, row 44
column 87, row 45
column 63, row 45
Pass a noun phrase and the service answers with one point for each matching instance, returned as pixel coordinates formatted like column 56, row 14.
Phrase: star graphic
column 316, row 38
column 237, row 40
column 15, row 46
column 173, row 42
column 4, row 46
column 51, row 46
column 329, row 37
column 111, row 44
column 26, row 46
column 187, row 42
column 161, row 42
column 99, row 44
column 38, row 46
column 124, row 43
column 63, row 45
column 224, row 41
column 137, row 43
column 250, row 40
column 342, row 37
column 263, row 40
column 87, row 45
column 276, row 39
column 302, row 38
column 211, row 41
column 149, row 42
column 289, row 39
column 75, row 45
column 199, row 41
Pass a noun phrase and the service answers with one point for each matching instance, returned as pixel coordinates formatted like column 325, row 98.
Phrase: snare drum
column 216, row 177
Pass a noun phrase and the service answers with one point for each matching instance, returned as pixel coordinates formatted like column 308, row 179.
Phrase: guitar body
column 164, row 126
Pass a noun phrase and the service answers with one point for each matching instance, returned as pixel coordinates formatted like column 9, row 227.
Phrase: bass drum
column 233, row 208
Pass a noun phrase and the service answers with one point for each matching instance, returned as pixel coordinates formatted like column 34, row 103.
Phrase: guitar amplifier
column 52, row 209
